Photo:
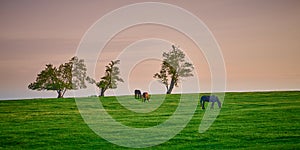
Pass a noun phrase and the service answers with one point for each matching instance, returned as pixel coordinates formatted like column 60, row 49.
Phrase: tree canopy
column 173, row 68
column 110, row 78
column 68, row 76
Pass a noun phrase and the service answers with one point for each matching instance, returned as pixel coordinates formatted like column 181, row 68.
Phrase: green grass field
column 254, row 120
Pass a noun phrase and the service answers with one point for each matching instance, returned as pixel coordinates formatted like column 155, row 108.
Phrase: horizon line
column 204, row 92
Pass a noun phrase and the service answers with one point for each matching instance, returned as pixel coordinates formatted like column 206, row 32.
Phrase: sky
column 259, row 41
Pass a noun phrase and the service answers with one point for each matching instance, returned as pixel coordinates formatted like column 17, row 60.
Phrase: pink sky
column 260, row 41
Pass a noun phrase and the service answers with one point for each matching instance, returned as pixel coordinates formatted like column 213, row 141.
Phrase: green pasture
column 248, row 120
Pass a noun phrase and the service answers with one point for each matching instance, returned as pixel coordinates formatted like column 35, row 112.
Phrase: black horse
column 137, row 94
column 212, row 99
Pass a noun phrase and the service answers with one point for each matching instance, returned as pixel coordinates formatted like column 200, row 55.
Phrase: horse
column 137, row 94
column 146, row 97
column 212, row 99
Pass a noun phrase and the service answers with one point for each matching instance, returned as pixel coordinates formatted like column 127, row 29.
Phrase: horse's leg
column 219, row 103
column 202, row 104
column 212, row 105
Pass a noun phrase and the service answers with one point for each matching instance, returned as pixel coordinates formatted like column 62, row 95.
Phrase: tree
column 110, row 78
column 174, row 67
column 68, row 76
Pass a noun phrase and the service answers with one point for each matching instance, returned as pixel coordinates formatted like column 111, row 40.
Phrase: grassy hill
column 254, row 120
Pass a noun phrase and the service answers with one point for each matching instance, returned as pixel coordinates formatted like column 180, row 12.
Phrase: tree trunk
column 171, row 86
column 59, row 94
column 102, row 91
column 63, row 93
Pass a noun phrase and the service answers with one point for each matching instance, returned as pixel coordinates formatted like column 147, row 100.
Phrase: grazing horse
column 212, row 99
column 137, row 94
column 146, row 97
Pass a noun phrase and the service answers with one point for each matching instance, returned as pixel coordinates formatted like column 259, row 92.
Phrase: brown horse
column 146, row 96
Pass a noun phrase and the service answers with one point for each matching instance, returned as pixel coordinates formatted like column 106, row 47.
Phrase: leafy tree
column 68, row 76
column 110, row 78
column 174, row 67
